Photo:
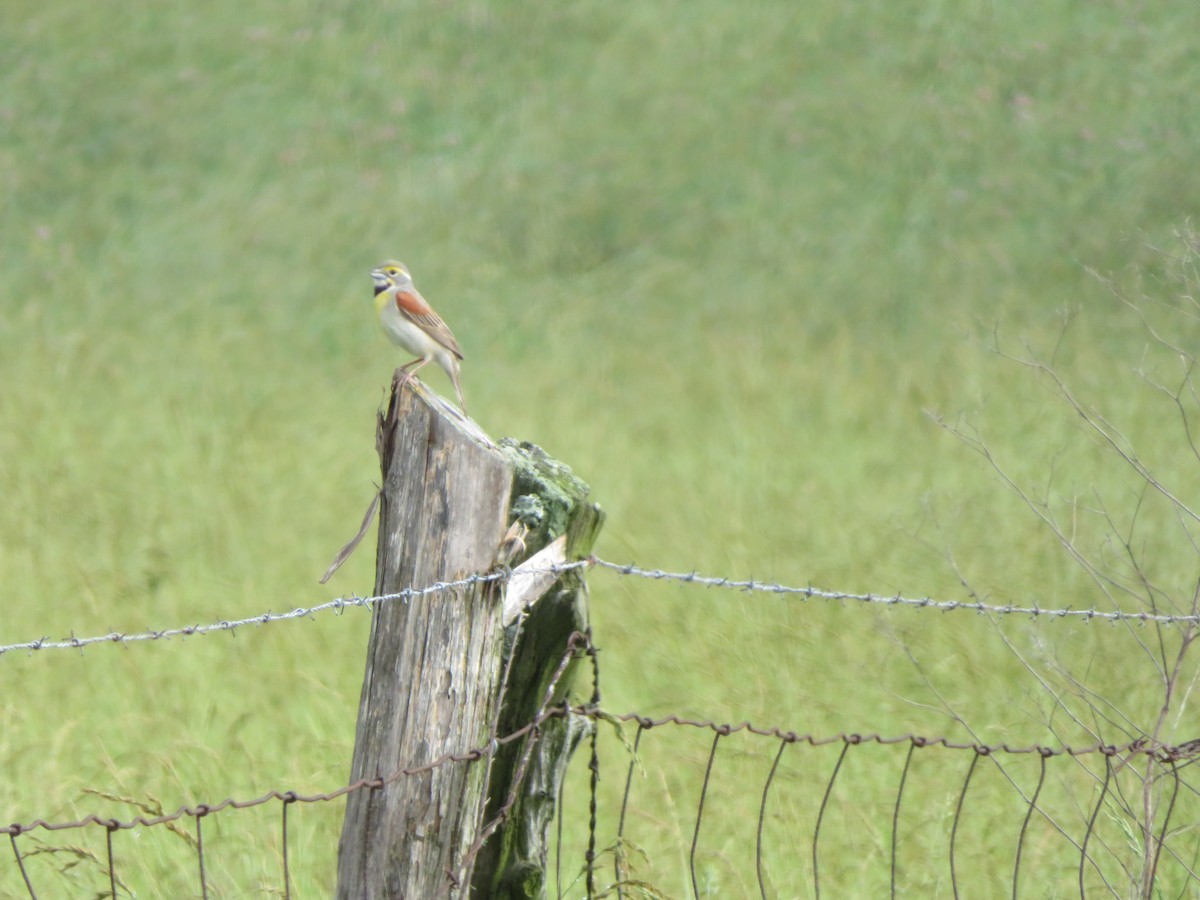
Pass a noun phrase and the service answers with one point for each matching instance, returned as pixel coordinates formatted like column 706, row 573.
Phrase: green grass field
column 723, row 260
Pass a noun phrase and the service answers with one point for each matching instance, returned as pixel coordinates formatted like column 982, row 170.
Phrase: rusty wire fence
column 673, row 806
column 815, row 817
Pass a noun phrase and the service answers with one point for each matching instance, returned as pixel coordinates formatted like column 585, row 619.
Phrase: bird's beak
column 382, row 282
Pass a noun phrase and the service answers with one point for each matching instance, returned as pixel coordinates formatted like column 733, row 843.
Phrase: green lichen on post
column 551, row 501
column 546, row 493
column 521, row 882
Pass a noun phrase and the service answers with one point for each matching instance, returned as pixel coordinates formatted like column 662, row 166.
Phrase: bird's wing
column 414, row 308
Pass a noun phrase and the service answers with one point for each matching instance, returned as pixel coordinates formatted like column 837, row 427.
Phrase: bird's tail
column 454, row 377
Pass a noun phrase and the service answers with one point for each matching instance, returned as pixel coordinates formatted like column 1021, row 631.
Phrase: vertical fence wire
column 21, row 865
column 288, row 799
column 200, row 811
column 820, row 817
column 712, row 754
column 594, row 766
column 112, row 869
column 962, row 796
column 896, row 810
column 562, row 786
column 762, row 815
column 1025, row 825
column 619, row 856
column 1162, row 835
column 1091, row 825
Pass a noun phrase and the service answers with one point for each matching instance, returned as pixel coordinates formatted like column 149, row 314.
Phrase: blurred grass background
column 719, row 259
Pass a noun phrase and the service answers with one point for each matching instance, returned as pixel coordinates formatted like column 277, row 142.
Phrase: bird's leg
column 405, row 375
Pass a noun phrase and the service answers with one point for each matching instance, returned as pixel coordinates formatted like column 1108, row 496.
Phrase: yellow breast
column 382, row 299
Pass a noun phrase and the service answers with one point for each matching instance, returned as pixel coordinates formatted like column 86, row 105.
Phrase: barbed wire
column 338, row 605
column 341, row 604
column 814, row 593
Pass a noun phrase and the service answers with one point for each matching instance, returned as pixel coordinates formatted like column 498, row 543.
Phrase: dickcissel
column 411, row 323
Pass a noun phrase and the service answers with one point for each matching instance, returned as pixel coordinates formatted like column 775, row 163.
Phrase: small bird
column 411, row 323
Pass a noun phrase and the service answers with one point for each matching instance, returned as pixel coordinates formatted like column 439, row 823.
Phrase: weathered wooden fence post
column 435, row 662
